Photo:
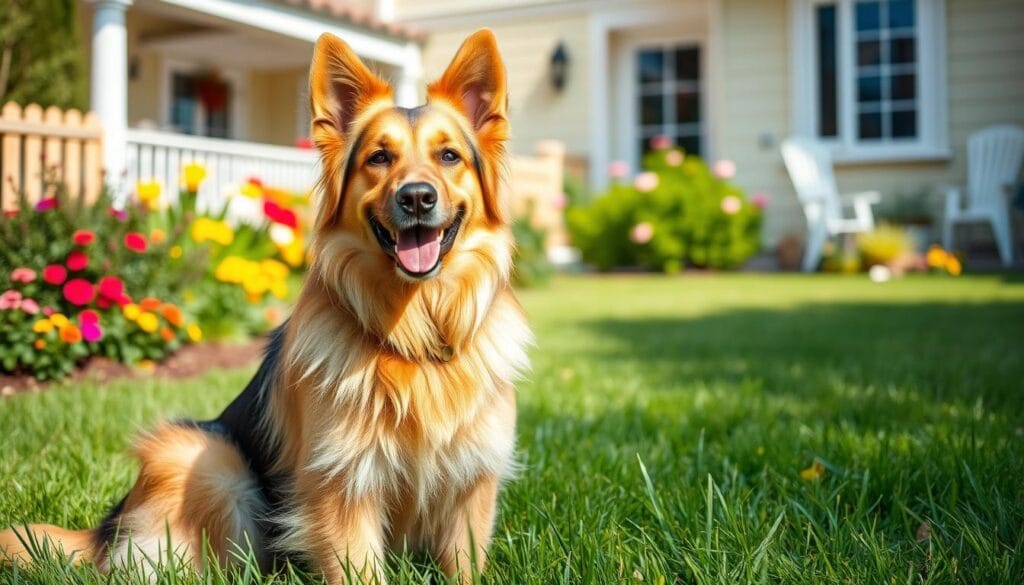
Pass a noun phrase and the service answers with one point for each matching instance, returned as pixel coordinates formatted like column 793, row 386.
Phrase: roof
column 341, row 10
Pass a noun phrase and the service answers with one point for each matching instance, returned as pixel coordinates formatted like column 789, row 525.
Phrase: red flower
column 135, row 242
column 77, row 260
column 55, row 274
column 304, row 143
column 278, row 214
column 112, row 291
column 79, row 291
column 120, row 214
column 83, row 237
column 88, row 316
column 46, row 204
column 11, row 213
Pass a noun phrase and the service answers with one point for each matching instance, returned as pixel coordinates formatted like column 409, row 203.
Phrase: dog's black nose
column 417, row 198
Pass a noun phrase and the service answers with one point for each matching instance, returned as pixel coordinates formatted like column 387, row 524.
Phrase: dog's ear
column 475, row 84
column 340, row 88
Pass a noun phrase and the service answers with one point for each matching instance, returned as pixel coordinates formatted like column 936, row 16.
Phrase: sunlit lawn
column 663, row 432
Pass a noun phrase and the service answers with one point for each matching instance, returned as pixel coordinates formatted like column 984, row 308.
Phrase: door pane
column 652, row 66
column 688, row 64
column 904, row 124
column 868, row 16
column 652, row 109
column 870, row 125
column 687, row 107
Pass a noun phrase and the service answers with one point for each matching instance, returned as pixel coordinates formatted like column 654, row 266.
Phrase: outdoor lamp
column 559, row 66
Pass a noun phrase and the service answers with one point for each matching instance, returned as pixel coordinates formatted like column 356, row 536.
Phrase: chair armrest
column 869, row 197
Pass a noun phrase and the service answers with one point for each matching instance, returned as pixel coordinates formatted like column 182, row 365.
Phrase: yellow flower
column 274, row 269
column 148, row 322
column 813, row 473
column 192, row 175
column 157, row 236
column 43, row 326
column 251, row 190
column 149, row 193
column 953, row 265
column 216, row 231
column 174, row 252
column 131, row 311
column 293, row 253
column 58, row 320
column 937, row 257
column 194, row 333
column 279, row 289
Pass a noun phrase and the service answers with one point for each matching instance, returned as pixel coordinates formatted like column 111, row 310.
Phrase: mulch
column 188, row 362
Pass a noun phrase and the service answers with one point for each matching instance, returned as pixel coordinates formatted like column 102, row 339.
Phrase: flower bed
column 136, row 282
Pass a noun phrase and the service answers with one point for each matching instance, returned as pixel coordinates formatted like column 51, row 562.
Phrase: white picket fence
column 160, row 156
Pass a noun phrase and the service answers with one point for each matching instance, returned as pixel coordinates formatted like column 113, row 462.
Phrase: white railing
column 160, row 156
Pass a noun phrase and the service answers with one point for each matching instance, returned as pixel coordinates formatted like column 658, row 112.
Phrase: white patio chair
column 810, row 168
column 994, row 157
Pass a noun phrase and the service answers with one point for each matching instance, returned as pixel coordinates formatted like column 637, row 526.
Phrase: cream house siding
column 536, row 111
column 985, row 86
column 414, row 9
column 274, row 98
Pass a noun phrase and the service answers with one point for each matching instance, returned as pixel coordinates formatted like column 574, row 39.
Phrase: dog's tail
column 21, row 542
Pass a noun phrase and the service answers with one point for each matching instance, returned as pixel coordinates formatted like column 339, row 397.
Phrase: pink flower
column 46, row 204
column 673, row 158
column 23, row 275
column 641, row 233
column 618, row 169
column 760, row 200
column 731, row 205
column 79, row 291
column 92, row 332
column 10, row 300
column 47, row 311
column 30, row 307
column 724, row 169
column 120, row 214
column 645, row 182
column 661, row 142
column 77, row 260
column 560, row 201
column 135, row 242
column 55, row 274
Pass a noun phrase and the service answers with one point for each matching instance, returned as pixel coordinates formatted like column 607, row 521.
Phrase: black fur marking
column 350, row 163
column 109, row 526
column 477, row 163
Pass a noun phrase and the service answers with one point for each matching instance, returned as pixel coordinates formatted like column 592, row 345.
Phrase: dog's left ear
column 475, row 84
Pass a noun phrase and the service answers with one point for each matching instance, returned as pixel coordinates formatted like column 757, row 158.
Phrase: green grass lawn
column 664, row 428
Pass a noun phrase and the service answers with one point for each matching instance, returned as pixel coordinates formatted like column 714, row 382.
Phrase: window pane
column 689, row 143
column 688, row 64
column 904, row 124
column 904, row 87
column 869, row 89
column 901, row 13
column 652, row 66
column 869, row 53
column 868, row 16
column 901, row 50
column 870, row 125
column 652, row 110
column 687, row 107
column 827, row 79
column 183, row 103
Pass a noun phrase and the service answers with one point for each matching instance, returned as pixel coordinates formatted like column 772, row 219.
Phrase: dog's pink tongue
column 418, row 249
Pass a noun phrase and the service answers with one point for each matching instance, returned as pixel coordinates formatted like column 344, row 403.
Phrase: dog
column 382, row 418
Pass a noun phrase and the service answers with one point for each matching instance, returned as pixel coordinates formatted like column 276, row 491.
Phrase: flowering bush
column 677, row 212
column 80, row 280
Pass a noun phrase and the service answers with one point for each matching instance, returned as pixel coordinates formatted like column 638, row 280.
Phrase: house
column 895, row 86
column 224, row 82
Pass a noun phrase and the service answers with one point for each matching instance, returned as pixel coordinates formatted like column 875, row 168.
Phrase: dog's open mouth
column 417, row 250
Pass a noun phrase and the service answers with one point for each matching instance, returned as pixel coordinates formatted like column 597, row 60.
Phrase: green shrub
column 885, row 244
column 675, row 214
column 529, row 259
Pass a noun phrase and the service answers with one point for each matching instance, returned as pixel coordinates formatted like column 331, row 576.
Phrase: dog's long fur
column 383, row 415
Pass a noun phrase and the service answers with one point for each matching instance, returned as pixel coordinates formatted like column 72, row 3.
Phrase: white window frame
column 236, row 78
column 629, row 91
column 932, row 142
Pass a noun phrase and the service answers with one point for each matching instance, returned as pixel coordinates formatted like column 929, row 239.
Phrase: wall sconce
column 559, row 67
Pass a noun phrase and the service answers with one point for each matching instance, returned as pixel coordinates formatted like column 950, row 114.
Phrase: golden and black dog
column 383, row 415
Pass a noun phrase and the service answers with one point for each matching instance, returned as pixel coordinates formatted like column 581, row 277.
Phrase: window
column 869, row 77
column 201, row 104
column 669, row 96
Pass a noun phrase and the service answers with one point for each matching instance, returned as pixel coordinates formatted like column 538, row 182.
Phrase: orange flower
column 167, row 334
column 150, row 304
column 70, row 334
column 39, row 344
column 172, row 314
column 953, row 265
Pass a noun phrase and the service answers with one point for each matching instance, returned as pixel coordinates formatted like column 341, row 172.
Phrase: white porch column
column 109, row 82
column 410, row 77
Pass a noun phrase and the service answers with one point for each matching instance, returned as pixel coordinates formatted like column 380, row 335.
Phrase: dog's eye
column 379, row 158
column 449, row 156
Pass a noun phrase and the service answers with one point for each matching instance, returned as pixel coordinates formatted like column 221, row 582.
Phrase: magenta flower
column 760, row 200
column 46, row 204
column 92, row 332
column 79, row 291
column 23, row 275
